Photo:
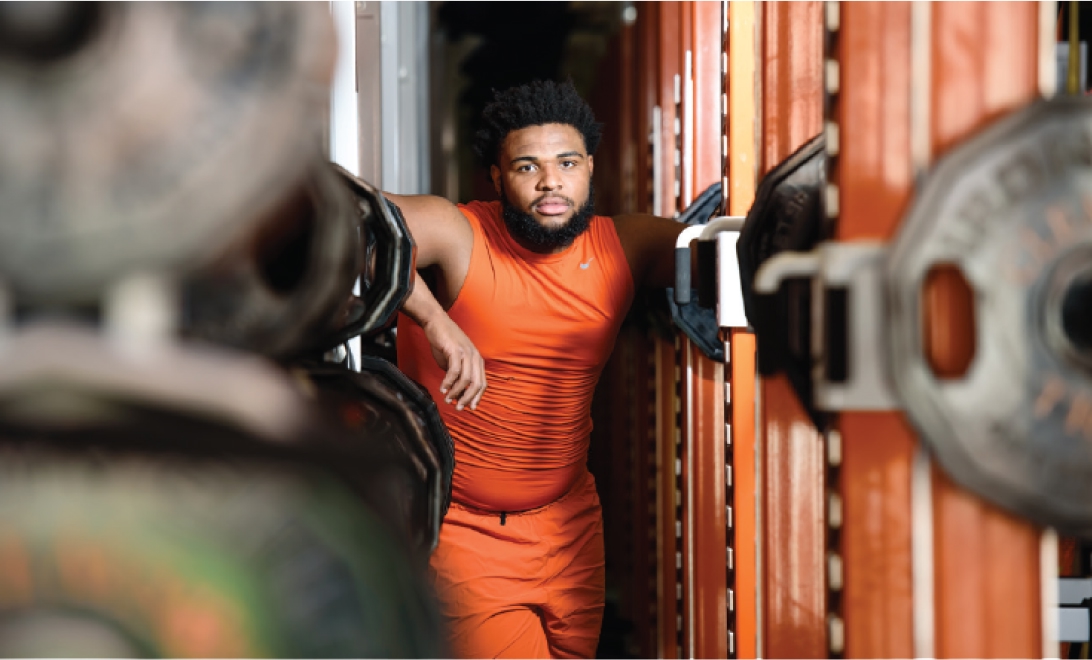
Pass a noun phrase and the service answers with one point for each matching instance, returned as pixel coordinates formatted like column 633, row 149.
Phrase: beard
column 525, row 229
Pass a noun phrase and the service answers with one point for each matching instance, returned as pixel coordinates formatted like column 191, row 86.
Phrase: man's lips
column 553, row 206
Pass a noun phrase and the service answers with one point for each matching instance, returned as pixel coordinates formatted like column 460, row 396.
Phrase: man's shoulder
column 480, row 214
column 482, row 207
column 439, row 228
column 429, row 207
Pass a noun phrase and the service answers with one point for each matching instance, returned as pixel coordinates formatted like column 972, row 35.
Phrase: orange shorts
column 530, row 588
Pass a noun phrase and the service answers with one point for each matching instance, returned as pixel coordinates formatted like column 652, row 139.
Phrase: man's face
column 543, row 175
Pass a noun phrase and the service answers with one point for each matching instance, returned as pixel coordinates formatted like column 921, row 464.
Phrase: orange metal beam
column 668, row 501
column 627, row 118
column 985, row 64
column 744, row 124
column 656, row 637
column 704, row 526
column 744, row 486
column 877, row 455
column 644, row 502
column 671, row 599
column 685, row 45
column 707, row 48
column 874, row 180
column 669, row 67
column 705, row 518
column 792, row 78
column 793, row 521
column 647, row 56
column 742, row 107
column 873, row 109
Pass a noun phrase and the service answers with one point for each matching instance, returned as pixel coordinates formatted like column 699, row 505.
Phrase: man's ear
column 494, row 173
column 591, row 164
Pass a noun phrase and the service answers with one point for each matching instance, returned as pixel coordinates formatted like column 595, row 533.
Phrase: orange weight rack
column 707, row 511
column 633, row 449
column 702, row 77
column 923, row 568
column 749, row 534
column 793, row 620
column 677, row 512
column 741, row 126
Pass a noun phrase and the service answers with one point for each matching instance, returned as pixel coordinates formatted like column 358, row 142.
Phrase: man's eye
column 524, row 168
column 568, row 163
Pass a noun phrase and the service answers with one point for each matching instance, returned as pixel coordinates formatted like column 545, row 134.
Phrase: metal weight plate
column 141, row 136
column 186, row 486
column 57, row 377
column 381, row 404
column 787, row 215
column 286, row 288
column 391, row 257
column 171, row 556
column 280, row 287
column 1012, row 209
column 698, row 322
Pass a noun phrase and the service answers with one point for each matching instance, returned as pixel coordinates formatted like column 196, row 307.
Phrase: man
column 528, row 296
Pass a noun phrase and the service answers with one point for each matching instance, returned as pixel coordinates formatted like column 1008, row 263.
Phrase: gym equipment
column 787, row 215
column 170, row 556
column 380, row 404
column 287, row 288
column 699, row 322
column 277, row 289
column 390, row 263
column 194, row 502
column 140, row 137
column 1008, row 210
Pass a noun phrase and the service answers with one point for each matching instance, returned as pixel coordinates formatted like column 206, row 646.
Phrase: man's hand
column 445, row 241
column 464, row 383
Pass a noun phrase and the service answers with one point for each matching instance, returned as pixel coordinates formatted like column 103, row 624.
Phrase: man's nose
column 549, row 180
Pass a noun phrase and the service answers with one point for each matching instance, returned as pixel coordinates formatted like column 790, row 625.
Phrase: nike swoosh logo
column 584, row 266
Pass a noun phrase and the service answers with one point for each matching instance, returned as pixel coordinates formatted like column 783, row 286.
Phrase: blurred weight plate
column 190, row 501
column 281, row 287
column 139, row 136
column 381, row 404
column 168, row 556
column 787, row 216
column 1011, row 209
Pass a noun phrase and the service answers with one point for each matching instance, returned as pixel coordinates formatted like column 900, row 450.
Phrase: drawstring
column 504, row 516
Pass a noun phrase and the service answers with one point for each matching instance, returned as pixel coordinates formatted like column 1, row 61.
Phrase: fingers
column 464, row 378
column 476, row 384
column 467, row 377
column 481, row 390
column 454, row 370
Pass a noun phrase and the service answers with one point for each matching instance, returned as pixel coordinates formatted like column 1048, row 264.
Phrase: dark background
column 481, row 46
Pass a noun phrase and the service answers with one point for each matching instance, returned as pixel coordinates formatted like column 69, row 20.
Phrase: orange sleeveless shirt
column 545, row 325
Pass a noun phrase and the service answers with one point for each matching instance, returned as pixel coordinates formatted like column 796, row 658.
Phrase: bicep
column 649, row 243
column 438, row 227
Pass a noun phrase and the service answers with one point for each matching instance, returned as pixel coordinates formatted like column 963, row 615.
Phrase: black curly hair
column 533, row 104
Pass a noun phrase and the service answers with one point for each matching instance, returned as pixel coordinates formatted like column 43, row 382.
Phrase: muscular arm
column 443, row 236
column 444, row 241
column 649, row 244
